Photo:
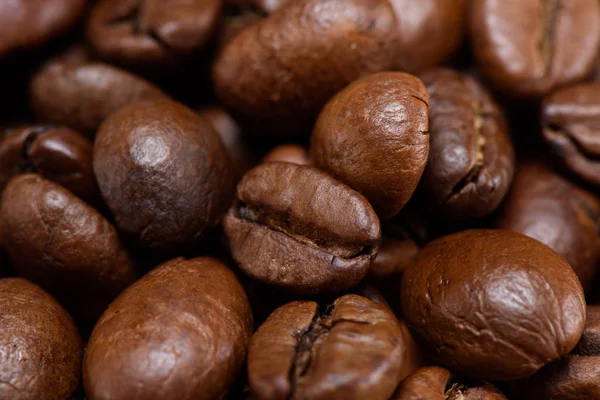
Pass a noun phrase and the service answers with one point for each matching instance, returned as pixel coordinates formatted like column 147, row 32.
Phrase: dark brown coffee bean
column 80, row 94
column 64, row 245
column 279, row 72
column 26, row 24
column 373, row 136
column 163, row 172
column 436, row 383
column 291, row 153
column 493, row 305
column 471, row 158
column 232, row 137
column 180, row 333
column 40, row 348
column 545, row 206
column 352, row 349
column 151, row 33
column 414, row 358
column 393, row 257
column 297, row 228
column 530, row 47
column 429, row 30
column 571, row 126
column 56, row 153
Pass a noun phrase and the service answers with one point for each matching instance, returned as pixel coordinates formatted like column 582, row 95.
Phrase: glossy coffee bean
column 373, row 136
column 56, row 153
column 81, row 94
column 574, row 377
column 545, row 206
column 436, row 383
column 471, row 159
column 299, row 229
column 528, row 48
column 393, row 257
column 64, row 245
column 180, row 333
column 571, row 127
column 494, row 305
column 279, row 72
column 429, row 30
column 291, row 153
column 351, row 349
column 163, row 172
column 151, row 33
column 40, row 348
column 26, row 24
column 232, row 137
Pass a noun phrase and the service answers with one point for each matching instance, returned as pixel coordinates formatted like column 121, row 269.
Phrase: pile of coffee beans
column 300, row 200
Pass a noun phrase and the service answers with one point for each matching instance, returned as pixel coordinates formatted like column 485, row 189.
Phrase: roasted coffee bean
column 279, row 72
column 528, row 48
column 163, row 172
column 471, row 160
column 575, row 377
column 291, row 153
column 429, row 30
column 151, row 33
column 232, row 137
column 57, row 153
column 180, row 332
column 493, row 305
column 81, row 94
column 299, row 229
column 545, row 206
column 571, row 126
column 352, row 349
column 373, row 136
column 393, row 257
column 64, row 245
column 26, row 24
column 436, row 383
column 40, row 348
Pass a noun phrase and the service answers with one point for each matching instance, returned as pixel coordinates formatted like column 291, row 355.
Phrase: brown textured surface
column 232, row 137
column 545, row 206
column 283, row 69
column 350, row 350
column 491, row 304
column 26, row 24
column 297, row 228
column 530, row 47
column 40, row 349
column 153, row 33
column 57, row 153
column 429, row 31
column 163, row 172
column 471, row 160
column 180, row 333
column 436, row 383
column 81, row 94
column 589, row 345
column 64, row 245
column 571, row 127
column 292, row 153
column 373, row 136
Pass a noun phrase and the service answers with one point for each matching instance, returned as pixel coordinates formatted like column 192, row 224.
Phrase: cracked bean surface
column 303, row 350
column 374, row 136
column 471, row 159
column 297, row 228
column 492, row 304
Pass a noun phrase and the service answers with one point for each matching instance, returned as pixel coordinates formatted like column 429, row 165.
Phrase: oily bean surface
column 299, row 229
